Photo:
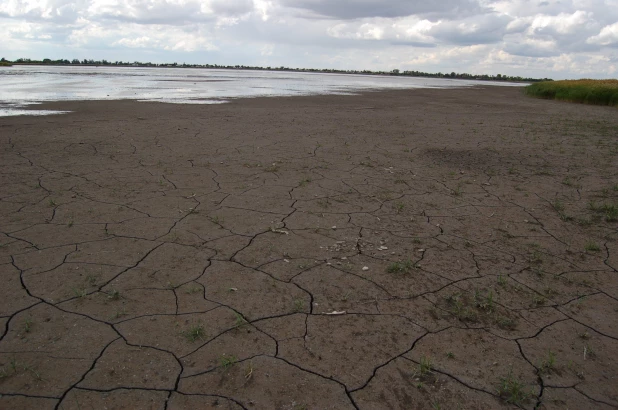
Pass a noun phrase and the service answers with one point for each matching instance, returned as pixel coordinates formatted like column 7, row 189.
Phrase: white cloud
column 553, row 38
column 607, row 37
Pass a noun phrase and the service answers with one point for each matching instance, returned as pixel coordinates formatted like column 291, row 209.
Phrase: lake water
column 21, row 86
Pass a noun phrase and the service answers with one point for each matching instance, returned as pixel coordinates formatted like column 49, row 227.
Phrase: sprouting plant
column 512, row 390
column 425, row 365
column 240, row 321
column 548, row 364
column 28, row 325
column 113, row 294
column 400, row 267
column 195, row 332
column 227, row 361
column 299, row 305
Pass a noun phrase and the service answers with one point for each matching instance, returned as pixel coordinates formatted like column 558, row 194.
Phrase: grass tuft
column 512, row 390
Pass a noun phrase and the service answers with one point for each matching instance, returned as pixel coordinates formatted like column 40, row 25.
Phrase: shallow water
column 25, row 85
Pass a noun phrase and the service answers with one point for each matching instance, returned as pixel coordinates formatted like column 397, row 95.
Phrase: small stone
column 333, row 227
column 365, row 267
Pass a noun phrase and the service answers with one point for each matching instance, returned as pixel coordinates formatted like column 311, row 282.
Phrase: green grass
column 195, row 333
column 227, row 361
column 598, row 92
column 400, row 267
column 512, row 390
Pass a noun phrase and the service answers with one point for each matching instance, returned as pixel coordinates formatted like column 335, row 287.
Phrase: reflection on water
column 24, row 85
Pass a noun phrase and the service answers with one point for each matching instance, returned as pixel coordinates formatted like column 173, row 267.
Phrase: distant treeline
column 408, row 73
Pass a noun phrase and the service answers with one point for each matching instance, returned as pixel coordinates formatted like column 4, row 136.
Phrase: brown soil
column 159, row 256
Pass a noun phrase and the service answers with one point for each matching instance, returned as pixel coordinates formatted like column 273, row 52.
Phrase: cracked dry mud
column 160, row 256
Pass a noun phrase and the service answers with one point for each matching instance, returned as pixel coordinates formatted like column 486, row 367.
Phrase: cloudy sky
column 536, row 38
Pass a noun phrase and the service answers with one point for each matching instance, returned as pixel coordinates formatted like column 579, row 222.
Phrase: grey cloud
column 529, row 50
column 231, row 8
column 484, row 29
column 354, row 9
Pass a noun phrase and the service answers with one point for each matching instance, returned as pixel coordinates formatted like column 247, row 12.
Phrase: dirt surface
column 419, row 249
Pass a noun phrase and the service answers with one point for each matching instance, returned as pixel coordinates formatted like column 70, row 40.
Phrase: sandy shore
column 415, row 249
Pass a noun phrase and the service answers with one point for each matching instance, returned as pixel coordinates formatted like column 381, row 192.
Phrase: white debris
column 365, row 267
column 382, row 248
column 335, row 312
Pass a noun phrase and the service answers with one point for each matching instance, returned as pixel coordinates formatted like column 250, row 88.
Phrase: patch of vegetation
column 512, row 390
column 610, row 210
column 549, row 363
column 28, row 325
column 400, row 267
column 586, row 91
column 240, row 321
column 425, row 366
column 227, row 361
column 592, row 247
column 113, row 294
column 195, row 332
column 299, row 305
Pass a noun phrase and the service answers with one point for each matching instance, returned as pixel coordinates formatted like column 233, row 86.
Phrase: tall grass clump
column 599, row 92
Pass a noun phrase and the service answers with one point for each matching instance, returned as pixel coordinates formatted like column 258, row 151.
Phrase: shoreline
column 382, row 250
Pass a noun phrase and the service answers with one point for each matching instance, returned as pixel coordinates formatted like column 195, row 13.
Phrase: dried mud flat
column 159, row 256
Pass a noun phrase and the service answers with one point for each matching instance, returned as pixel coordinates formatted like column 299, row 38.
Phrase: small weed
column 549, row 363
column 240, row 321
column 501, row 280
column 79, row 293
column 70, row 224
column 504, row 322
column 484, row 301
column 450, row 355
column 304, row 182
column 216, row 220
column 273, row 168
column 610, row 211
column 28, row 325
column 119, row 314
column 194, row 333
column 536, row 257
column 113, row 294
column 226, row 361
column 589, row 352
column 538, row 300
column 592, row 247
column 91, row 280
column 299, row 305
column 193, row 289
column 51, row 203
column 400, row 267
column 512, row 390
column 399, row 207
column 425, row 366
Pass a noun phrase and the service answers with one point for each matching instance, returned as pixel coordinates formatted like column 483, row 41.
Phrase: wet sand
column 413, row 249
